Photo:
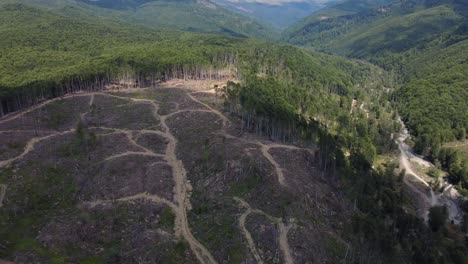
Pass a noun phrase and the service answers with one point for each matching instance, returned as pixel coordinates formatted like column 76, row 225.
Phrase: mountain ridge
column 198, row 16
column 424, row 43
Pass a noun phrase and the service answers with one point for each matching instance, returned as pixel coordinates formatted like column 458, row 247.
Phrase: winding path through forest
column 31, row 145
column 15, row 115
column 248, row 236
column 427, row 196
column 265, row 149
column 181, row 191
column 457, row 145
column 182, row 186
column 181, row 181
column 279, row 171
column 282, row 230
column 179, row 174
column 132, row 153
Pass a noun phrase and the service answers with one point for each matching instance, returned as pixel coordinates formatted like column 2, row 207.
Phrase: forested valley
column 305, row 129
column 424, row 44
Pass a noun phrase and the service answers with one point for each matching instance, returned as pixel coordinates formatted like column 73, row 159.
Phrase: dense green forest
column 276, row 106
column 65, row 60
column 372, row 32
column 51, row 52
column 299, row 32
column 44, row 53
column 186, row 15
column 424, row 44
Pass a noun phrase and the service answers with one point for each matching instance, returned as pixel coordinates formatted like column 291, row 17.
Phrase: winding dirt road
column 188, row 111
column 283, row 241
column 181, row 194
column 265, row 149
column 15, row 115
column 425, row 192
column 140, row 196
column 30, row 146
column 282, row 230
column 278, row 169
column 182, row 186
column 218, row 113
column 31, row 143
column 248, row 236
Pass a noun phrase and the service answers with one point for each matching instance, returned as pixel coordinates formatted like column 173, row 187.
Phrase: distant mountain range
column 278, row 13
column 186, row 15
column 365, row 28
column 243, row 18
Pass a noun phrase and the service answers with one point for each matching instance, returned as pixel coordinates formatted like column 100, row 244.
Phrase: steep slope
column 134, row 146
column 398, row 33
column 411, row 22
column 433, row 100
column 344, row 8
column 47, row 46
column 424, row 42
column 128, row 171
column 51, row 56
column 187, row 15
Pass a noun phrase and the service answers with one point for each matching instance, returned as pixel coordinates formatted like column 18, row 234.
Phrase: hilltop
column 187, row 15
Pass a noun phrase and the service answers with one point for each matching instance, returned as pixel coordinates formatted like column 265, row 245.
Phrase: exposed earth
column 421, row 191
column 160, row 175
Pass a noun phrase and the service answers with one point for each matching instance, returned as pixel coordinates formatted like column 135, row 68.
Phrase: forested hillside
column 424, row 44
column 292, row 139
column 187, row 15
column 296, row 32
column 314, row 86
column 369, row 33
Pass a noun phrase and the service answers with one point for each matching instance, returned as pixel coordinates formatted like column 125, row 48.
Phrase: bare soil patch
column 12, row 144
column 298, row 166
column 167, row 108
column 154, row 142
column 118, row 113
column 197, row 85
column 58, row 115
column 265, row 235
column 125, row 176
column 150, row 175
column 312, row 244
column 106, row 146
column 137, row 232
